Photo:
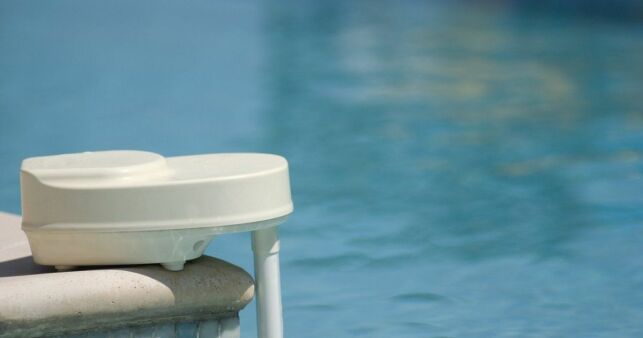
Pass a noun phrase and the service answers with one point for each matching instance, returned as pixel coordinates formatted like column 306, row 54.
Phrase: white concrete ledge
column 33, row 303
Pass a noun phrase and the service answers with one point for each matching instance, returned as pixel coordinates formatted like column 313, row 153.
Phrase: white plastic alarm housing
column 135, row 207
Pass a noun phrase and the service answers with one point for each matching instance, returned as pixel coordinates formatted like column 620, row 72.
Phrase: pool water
column 459, row 169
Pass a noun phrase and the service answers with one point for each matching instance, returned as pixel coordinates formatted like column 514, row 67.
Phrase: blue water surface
column 459, row 169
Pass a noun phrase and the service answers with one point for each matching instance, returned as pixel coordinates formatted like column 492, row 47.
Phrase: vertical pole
column 265, row 245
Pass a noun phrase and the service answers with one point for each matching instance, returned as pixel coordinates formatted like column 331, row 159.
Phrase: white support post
column 265, row 245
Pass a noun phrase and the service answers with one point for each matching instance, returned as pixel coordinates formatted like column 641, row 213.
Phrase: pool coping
column 35, row 300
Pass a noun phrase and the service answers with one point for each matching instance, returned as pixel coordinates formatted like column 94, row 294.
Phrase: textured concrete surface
column 36, row 301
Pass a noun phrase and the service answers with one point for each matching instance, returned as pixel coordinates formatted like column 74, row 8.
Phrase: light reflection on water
column 458, row 170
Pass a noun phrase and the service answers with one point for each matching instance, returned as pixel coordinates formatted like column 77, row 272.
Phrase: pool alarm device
column 136, row 207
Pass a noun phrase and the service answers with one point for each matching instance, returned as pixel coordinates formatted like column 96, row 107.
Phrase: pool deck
column 38, row 301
